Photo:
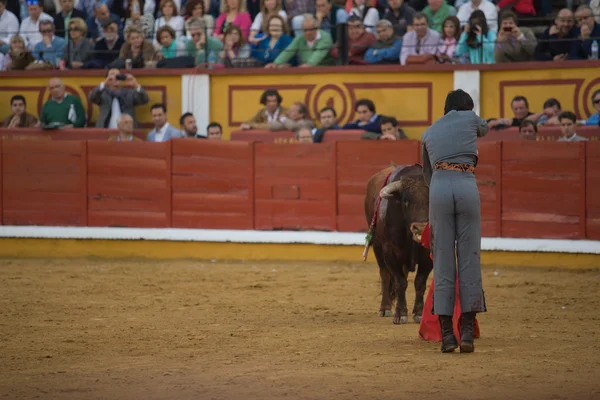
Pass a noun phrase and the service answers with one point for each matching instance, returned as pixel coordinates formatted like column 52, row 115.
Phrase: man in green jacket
column 437, row 11
column 200, row 43
column 312, row 47
column 62, row 107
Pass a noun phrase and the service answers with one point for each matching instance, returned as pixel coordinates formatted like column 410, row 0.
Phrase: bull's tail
column 414, row 256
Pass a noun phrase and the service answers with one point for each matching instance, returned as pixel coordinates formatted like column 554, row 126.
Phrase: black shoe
column 449, row 343
column 467, row 345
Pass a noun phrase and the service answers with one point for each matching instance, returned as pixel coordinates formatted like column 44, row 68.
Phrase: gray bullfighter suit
column 449, row 160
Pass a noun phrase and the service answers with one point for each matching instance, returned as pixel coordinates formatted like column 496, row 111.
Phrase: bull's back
column 375, row 185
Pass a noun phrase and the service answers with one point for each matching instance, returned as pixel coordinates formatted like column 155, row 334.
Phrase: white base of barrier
column 305, row 237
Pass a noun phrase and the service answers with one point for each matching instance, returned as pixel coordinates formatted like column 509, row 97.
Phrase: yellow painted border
column 157, row 249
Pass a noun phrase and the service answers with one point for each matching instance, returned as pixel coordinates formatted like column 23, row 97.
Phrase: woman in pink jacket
column 233, row 12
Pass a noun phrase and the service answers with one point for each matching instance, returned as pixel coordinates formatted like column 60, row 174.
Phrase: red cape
column 430, row 329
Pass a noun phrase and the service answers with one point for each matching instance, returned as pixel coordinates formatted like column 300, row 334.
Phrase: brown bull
column 404, row 209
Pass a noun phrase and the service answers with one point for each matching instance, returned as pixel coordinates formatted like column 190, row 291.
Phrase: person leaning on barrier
column 297, row 117
column 199, row 44
column 19, row 118
column 588, row 31
column 556, row 41
column 304, row 135
column 389, row 130
column 513, row 43
column 568, row 122
column 125, row 130
column 528, row 130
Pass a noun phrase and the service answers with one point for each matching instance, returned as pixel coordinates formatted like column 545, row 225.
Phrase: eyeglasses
column 596, row 101
column 32, row 2
column 55, row 87
column 45, row 30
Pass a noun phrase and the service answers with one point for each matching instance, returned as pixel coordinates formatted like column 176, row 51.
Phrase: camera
column 507, row 29
column 121, row 77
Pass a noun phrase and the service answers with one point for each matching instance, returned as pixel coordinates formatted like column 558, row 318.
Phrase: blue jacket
column 374, row 125
column 50, row 54
column 318, row 134
column 582, row 49
column 594, row 119
column 170, row 133
column 390, row 55
column 265, row 55
column 488, row 43
column 95, row 31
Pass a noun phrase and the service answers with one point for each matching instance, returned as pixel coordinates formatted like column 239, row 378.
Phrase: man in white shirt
column 163, row 131
column 488, row 8
column 568, row 121
column 9, row 26
column 30, row 27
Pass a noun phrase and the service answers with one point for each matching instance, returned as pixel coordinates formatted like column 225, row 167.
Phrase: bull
column 400, row 216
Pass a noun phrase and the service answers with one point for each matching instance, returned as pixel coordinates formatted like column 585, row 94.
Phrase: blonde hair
column 225, row 7
column 79, row 23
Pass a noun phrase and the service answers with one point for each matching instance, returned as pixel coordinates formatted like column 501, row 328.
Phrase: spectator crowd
column 104, row 34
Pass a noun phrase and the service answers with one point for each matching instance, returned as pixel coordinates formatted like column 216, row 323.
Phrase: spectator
column 297, row 10
column 236, row 51
column 477, row 40
column 420, row 41
column 367, row 14
column 390, row 129
column 200, row 43
column 18, row 58
column 125, row 130
column 169, row 46
column 137, row 49
column 170, row 19
column 568, row 120
column 513, row 43
column 329, row 15
column 437, row 12
column 296, row 118
column 134, row 16
column 588, row 31
column 214, row 131
column 359, row 41
column 520, row 109
column 233, row 12
column 194, row 9
column 487, row 7
column 62, row 108
column 556, row 41
column 449, row 39
column 61, row 20
column 595, row 6
column 89, row 7
column 328, row 119
column 19, row 117
column 304, row 135
column 522, row 8
column 30, row 27
column 163, row 131
column 594, row 119
column 79, row 51
column 107, row 49
column 401, row 16
column 189, row 130
column 273, row 111
column 268, row 9
column 116, row 96
column 276, row 41
column 528, row 130
column 368, row 119
column 51, row 48
column 386, row 50
column 101, row 17
column 9, row 26
column 549, row 114
column 312, row 48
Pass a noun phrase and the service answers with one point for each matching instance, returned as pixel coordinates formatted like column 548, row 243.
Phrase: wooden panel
column 486, row 174
column 295, row 186
column 212, row 184
column 592, row 204
column 42, row 183
column 128, row 184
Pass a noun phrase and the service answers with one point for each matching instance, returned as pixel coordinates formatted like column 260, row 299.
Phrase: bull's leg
column 425, row 267
column 385, row 310
column 399, row 272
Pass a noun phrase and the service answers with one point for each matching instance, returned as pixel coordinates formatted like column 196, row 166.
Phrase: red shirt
column 520, row 6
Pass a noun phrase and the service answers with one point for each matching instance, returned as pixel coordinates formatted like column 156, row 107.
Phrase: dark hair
column 551, row 102
column 301, row 108
column 365, row 102
column 159, row 105
column 458, row 100
column 328, row 109
column 528, row 122
column 18, row 97
column 269, row 93
column 456, row 23
column 508, row 14
column 191, row 4
column 230, row 29
column 184, row 116
column 128, row 10
column 215, row 125
column 567, row 115
column 596, row 93
column 421, row 15
column 388, row 120
column 520, row 98
column 354, row 18
column 471, row 37
column 165, row 28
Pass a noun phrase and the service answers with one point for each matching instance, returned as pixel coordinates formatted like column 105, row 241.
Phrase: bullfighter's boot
column 449, row 342
column 467, row 345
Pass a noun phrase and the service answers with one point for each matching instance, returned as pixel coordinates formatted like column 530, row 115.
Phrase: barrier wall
column 37, row 134
column 528, row 189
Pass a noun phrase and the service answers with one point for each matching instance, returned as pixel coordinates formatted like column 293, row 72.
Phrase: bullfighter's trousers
column 455, row 218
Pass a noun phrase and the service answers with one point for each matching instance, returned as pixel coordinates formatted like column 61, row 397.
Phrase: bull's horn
column 389, row 190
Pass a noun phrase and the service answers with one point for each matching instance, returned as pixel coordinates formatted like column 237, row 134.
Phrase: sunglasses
column 596, row 101
column 32, row 2
column 45, row 30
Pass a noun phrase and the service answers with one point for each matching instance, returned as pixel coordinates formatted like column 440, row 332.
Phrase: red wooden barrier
column 356, row 162
column 342, row 134
column 294, row 186
column 213, row 184
column 592, row 187
column 1, row 184
column 548, row 133
column 43, row 183
column 129, row 184
column 263, row 136
column 62, row 134
column 489, row 181
column 542, row 189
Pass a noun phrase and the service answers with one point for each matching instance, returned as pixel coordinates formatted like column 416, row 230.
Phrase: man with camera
column 117, row 95
column 513, row 43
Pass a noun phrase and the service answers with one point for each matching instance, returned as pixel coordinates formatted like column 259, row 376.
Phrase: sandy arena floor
column 97, row 329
